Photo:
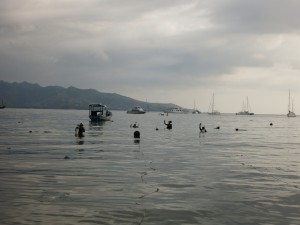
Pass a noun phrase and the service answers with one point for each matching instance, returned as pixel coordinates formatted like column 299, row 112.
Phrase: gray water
column 178, row 176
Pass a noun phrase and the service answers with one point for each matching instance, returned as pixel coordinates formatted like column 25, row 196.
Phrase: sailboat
column 246, row 109
column 195, row 111
column 211, row 110
column 290, row 112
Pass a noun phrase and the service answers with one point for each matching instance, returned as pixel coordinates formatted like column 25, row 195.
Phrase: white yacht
column 136, row 110
column 175, row 110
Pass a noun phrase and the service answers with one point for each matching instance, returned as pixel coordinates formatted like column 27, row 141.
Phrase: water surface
column 178, row 176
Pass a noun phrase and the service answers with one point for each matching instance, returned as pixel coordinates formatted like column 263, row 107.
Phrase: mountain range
column 28, row 95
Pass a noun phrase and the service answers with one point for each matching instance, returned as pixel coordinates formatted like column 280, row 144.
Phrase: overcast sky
column 178, row 51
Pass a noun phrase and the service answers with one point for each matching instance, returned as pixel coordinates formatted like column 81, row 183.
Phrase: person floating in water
column 202, row 129
column 79, row 130
column 135, row 125
column 169, row 124
column 237, row 129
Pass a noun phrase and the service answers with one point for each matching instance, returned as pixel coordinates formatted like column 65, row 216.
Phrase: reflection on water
column 177, row 176
column 80, row 142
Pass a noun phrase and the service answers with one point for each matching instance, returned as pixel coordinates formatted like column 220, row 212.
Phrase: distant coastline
column 28, row 95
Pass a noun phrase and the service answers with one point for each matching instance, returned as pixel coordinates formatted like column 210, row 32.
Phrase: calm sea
column 178, row 176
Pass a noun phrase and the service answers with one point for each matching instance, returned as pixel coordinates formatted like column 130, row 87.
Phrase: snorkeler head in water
column 136, row 134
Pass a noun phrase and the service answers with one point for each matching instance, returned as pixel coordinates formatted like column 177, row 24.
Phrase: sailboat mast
column 289, row 100
column 213, row 102
column 247, row 109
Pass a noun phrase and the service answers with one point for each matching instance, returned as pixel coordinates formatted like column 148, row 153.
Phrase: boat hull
column 245, row 113
column 100, row 118
column 291, row 114
column 136, row 112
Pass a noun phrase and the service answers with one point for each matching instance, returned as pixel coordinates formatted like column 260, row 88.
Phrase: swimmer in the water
column 202, row 128
column 237, row 129
column 79, row 130
column 135, row 125
column 169, row 124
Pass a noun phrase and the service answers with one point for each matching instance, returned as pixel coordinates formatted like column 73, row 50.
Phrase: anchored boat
column 175, row 110
column 290, row 111
column 136, row 110
column 99, row 112
column 246, row 110
column 211, row 110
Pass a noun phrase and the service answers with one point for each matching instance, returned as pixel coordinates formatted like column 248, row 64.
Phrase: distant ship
column 175, row 110
column 290, row 112
column 246, row 110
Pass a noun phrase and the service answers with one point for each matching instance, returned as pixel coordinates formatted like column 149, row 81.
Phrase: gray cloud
column 257, row 16
column 117, row 46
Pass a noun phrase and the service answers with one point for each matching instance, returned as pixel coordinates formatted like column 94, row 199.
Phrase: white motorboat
column 136, row 110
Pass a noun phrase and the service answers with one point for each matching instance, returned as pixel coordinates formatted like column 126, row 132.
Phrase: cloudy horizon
column 163, row 51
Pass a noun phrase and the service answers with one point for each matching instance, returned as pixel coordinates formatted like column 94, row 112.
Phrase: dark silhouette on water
column 136, row 134
column 79, row 130
column 237, row 129
column 169, row 124
column 218, row 128
column 202, row 129
column 135, row 125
